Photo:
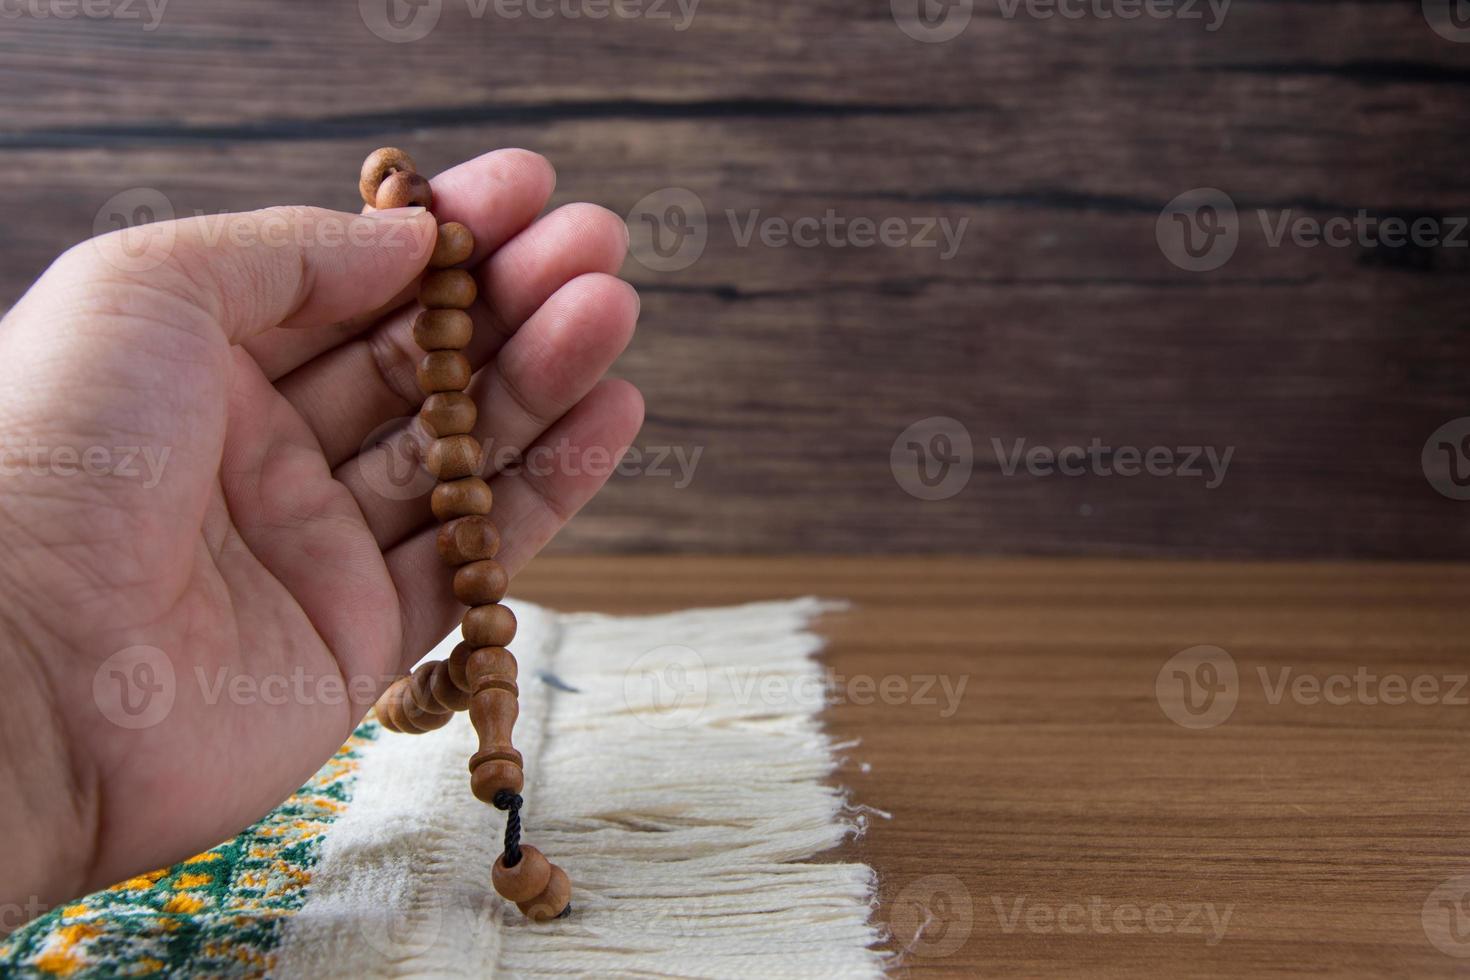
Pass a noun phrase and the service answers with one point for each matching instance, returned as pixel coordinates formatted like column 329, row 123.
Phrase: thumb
column 243, row 273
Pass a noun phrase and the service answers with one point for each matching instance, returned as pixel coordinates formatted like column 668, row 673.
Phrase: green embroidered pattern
column 218, row 913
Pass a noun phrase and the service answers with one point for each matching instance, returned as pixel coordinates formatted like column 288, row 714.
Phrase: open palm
column 213, row 557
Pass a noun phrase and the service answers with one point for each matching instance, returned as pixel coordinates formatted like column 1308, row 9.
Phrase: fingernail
column 397, row 214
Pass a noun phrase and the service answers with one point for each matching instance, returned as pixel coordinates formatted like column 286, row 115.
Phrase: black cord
column 511, row 803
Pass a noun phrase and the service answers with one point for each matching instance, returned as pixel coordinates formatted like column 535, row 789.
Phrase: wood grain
column 791, row 371
column 1054, row 784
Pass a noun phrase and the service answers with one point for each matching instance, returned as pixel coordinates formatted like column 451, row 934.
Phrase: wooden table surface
column 1050, row 819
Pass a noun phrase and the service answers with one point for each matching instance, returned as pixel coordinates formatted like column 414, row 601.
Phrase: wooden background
column 794, row 370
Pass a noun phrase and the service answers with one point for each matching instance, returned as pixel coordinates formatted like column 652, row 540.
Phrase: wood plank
column 1057, row 785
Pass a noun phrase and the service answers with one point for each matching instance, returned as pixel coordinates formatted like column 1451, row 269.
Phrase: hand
column 196, row 462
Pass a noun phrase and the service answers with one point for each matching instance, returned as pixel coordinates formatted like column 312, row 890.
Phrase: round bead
column 448, row 289
column 489, row 626
column 490, row 777
column 447, row 694
column 443, row 329
column 468, row 539
column 552, row 901
column 524, row 880
column 487, row 664
column 449, row 413
column 454, row 457
column 404, row 190
column 480, row 583
column 376, row 168
column 456, row 662
column 454, row 245
column 444, row 370
column 460, row 498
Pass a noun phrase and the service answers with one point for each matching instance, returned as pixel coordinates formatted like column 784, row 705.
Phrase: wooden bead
column 489, row 626
column 376, row 168
column 491, row 667
column 454, row 457
column 448, row 289
column 460, row 498
column 454, row 245
column 399, row 711
column 403, row 190
column 490, row 777
column 449, row 413
column 444, row 370
column 447, row 693
column 456, row 664
column 443, row 329
column 494, row 707
column 468, row 539
column 481, row 583
column 552, row 901
column 524, row 880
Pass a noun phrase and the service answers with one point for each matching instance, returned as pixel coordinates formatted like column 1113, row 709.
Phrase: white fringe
column 682, row 784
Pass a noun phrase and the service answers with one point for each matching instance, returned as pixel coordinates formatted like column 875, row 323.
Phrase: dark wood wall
column 794, row 370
